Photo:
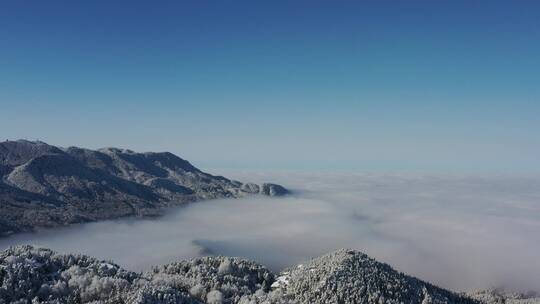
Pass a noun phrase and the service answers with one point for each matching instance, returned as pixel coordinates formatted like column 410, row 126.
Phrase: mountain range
column 43, row 185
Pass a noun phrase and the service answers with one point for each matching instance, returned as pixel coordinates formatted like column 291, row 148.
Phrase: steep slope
column 64, row 178
column 43, row 185
column 161, row 170
column 29, row 274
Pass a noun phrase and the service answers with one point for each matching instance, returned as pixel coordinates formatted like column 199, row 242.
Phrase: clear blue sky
column 376, row 85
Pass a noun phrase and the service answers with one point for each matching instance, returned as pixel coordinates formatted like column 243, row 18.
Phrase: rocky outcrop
column 250, row 188
column 273, row 190
column 265, row 189
column 43, row 186
column 36, row 275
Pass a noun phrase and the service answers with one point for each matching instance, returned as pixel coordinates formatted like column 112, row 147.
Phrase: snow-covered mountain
column 36, row 275
column 43, row 185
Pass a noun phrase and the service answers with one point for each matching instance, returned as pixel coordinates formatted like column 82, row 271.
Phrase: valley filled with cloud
column 460, row 232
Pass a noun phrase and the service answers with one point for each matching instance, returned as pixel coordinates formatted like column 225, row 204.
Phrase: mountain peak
column 353, row 275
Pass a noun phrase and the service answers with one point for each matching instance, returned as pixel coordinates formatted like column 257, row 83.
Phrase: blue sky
column 360, row 85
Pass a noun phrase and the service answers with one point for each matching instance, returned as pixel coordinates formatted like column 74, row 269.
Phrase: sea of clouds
column 459, row 232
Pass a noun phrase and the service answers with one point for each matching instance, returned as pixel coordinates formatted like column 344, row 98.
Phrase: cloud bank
column 460, row 232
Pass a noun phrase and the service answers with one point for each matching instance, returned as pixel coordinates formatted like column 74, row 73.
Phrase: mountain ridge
column 40, row 275
column 44, row 186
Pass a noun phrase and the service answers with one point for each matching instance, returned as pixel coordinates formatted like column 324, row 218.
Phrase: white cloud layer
column 459, row 232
